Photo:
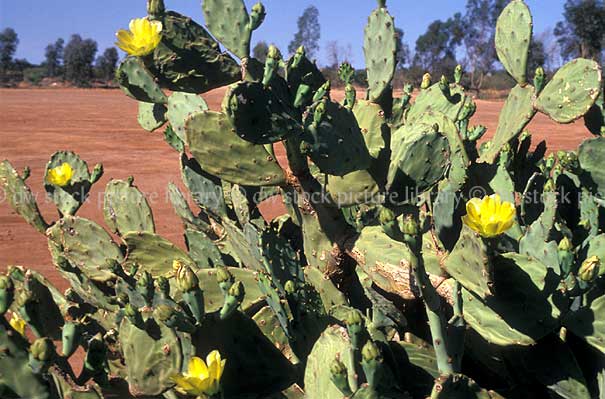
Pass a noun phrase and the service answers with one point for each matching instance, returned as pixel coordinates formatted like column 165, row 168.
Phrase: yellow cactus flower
column 61, row 175
column 176, row 266
column 489, row 216
column 143, row 37
column 17, row 323
column 202, row 378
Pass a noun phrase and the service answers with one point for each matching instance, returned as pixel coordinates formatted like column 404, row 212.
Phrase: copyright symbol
column 477, row 192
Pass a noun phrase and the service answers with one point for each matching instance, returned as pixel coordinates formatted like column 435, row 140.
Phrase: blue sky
column 39, row 22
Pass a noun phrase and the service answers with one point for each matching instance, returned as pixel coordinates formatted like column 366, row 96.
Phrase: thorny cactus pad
column 386, row 278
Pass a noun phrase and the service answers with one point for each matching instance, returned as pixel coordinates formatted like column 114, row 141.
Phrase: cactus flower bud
column 155, row 8
column 565, row 244
column 186, row 279
column 371, row 362
column 566, row 256
column 339, row 377
column 234, row 298
column 458, row 72
column 17, row 323
column 426, row 81
column 97, row 173
column 173, row 319
column 444, row 85
column 589, row 269
column 410, row 226
column 225, row 279
column 257, row 15
column 355, row 325
column 550, row 186
column 42, row 349
column 7, row 293
column 188, row 283
column 386, row 215
column 290, row 287
column 370, row 352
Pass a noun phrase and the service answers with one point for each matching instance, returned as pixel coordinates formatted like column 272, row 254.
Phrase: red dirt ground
column 101, row 126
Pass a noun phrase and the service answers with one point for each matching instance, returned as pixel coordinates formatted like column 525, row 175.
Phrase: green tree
column 479, row 25
column 8, row 46
column 106, row 63
column 79, row 55
column 54, row 58
column 309, row 32
column 582, row 33
column 403, row 50
column 260, row 51
column 436, row 49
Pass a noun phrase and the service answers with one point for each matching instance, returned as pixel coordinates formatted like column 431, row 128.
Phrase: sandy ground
column 101, row 126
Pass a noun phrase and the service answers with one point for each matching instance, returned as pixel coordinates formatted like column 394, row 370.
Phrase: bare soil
column 101, row 126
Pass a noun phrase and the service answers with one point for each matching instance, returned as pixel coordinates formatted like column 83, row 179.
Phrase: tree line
column 466, row 38
column 75, row 62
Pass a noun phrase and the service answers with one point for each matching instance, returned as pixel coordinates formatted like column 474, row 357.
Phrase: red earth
column 101, row 126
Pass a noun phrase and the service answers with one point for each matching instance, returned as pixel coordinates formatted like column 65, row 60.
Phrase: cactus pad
column 126, row 209
column 336, row 145
column 69, row 198
column 229, row 22
column 151, row 116
column 586, row 323
column 86, row 245
column 205, row 189
column 514, row 116
column 188, row 59
column 571, row 92
column 153, row 355
column 214, row 144
column 433, row 99
column 522, row 310
column 19, row 196
column 258, row 114
column 591, row 155
column 469, row 263
column 380, row 49
column 418, row 162
column 138, row 83
column 153, row 253
column 513, row 38
column 181, row 106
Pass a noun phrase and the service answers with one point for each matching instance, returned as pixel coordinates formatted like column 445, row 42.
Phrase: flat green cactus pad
column 332, row 344
column 153, row 253
column 214, row 144
column 517, row 112
column 20, row 197
column 86, row 245
column 138, row 83
column 513, row 37
column 588, row 324
column 337, row 145
column 229, row 22
column 380, row 49
column 469, row 263
column 522, row 310
column 126, row 209
column 418, row 162
column 153, row 355
column 591, row 155
column 151, row 116
column 433, row 99
column 181, row 106
column 70, row 197
column 260, row 115
column 571, row 92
